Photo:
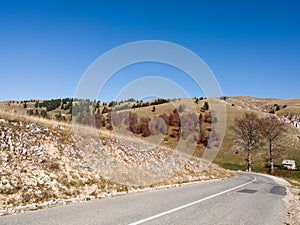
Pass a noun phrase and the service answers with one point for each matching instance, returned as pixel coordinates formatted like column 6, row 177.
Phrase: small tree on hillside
column 153, row 109
column 206, row 106
column 104, row 110
column 248, row 134
column 181, row 108
column 44, row 114
column 272, row 129
column 30, row 112
column 103, row 122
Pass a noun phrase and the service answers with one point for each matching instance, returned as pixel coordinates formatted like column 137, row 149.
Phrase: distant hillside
column 289, row 146
column 104, row 115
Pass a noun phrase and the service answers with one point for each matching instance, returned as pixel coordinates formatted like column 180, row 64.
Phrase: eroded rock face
column 293, row 120
column 42, row 163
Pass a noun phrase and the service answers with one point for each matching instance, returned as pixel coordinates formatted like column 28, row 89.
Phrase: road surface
column 247, row 199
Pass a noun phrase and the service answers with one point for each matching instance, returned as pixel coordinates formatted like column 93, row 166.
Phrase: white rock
column 3, row 121
column 58, row 126
column 24, row 151
column 2, row 212
column 8, row 186
column 40, row 182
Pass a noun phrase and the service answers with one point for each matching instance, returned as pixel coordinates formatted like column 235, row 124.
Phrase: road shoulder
column 291, row 200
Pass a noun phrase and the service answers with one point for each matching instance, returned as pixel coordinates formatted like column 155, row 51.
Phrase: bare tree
column 247, row 132
column 272, row 129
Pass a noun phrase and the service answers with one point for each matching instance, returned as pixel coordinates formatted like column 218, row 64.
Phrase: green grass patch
column 230, row 166
column 260, row 169
column 292, row 174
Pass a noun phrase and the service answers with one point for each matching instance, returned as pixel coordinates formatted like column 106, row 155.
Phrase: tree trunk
column 271, row 158
column 249, row 158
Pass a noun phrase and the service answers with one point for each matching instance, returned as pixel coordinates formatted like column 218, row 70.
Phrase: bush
column 181, row 108
column 54, row 166
column 44, row 114
column 30, row 112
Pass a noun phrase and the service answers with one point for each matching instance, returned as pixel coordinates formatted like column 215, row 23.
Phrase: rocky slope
column 42, row 163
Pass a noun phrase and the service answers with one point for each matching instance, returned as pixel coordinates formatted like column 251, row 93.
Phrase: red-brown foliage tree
column 133, row 122
column 158, row 126
column 144, row 129
column 93, row 121
column 174, row 119
column 189, row 125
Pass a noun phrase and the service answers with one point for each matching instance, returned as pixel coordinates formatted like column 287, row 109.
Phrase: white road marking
column 189, row 204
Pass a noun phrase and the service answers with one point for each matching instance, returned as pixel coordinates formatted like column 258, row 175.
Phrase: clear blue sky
column 253, row 47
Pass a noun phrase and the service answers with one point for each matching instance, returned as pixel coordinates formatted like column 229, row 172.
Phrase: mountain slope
column 42, row 162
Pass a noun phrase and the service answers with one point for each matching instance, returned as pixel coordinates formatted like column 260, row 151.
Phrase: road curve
column 247, row 199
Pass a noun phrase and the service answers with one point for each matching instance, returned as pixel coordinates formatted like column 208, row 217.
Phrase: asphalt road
column 247, row 199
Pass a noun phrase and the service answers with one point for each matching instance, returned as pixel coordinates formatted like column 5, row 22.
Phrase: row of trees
column 159, row 101
column 173, row 125
column 253, row 132
column 42, row 113
column 50, row 105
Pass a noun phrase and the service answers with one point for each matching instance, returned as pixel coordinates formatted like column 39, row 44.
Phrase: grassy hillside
column 228, row 157
column 287, row 148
